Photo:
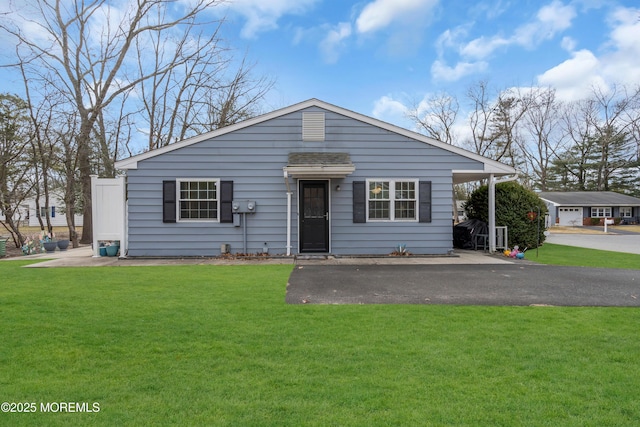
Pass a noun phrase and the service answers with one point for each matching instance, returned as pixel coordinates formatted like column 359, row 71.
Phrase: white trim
column 392, row 185
column 310, row 172
column 178, row 199
column 490, row 166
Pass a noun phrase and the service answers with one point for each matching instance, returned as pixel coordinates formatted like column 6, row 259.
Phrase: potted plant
column 49, row 242
column 63, row 244
column 112, row 248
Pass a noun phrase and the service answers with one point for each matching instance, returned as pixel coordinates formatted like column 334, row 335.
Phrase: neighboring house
column 577, row 208
column 461, row 211
column 309, row 178
column 28, row 214
column 20, row 215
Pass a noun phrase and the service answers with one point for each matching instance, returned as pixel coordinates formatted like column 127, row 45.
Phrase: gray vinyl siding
column 254, row 157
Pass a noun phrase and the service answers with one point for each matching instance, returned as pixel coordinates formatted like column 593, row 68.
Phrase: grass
column 580, row 257
column 217, row 345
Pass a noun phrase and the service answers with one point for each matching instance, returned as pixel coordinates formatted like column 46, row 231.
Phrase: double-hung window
column 198, row 200
column 600, row 212
column 43, row 212
column 392, row 200
column 625, row 211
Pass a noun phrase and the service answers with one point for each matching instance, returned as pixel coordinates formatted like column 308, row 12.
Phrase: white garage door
column 570, row 216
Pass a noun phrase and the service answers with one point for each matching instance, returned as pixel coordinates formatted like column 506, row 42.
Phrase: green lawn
column 217, row 345
column 581, row 257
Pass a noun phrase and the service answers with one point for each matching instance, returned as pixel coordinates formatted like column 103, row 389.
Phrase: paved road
column 504, row 284
column 609, row 242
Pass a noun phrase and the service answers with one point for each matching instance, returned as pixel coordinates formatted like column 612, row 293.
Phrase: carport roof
column 588, row 198
column 306, row 164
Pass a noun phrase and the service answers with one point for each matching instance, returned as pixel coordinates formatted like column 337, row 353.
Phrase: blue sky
column 377, row 57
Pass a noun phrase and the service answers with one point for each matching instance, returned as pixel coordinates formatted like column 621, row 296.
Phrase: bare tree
column 577, row 121
column 482, row 113
column 544, row 138
column 614, row 125
column 42, row 148
column 200, row 94
column 237, row 99
column 69, row 171
column 15, row 162
column 85, row 50
column 510, row 108
column 436, row 116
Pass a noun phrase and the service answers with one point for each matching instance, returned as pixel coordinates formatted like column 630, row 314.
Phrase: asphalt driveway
column 515, row 284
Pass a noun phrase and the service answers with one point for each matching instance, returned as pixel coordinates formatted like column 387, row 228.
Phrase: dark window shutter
column 168, row 201
column 424, row 214
column 53, row 211
column 226, row 199
column 359, row 202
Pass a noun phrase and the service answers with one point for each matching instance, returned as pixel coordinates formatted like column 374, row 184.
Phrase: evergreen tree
column 514, row 205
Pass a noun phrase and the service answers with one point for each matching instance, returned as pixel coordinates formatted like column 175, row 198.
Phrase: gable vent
column 313, row 126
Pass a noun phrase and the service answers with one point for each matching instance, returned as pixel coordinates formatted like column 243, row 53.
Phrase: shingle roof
column 318, row 159
column 489, row 166
column 589, row 198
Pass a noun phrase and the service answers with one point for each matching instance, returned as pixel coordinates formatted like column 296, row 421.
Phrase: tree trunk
column 84, row 165
column 70, row 203
column 13, row 228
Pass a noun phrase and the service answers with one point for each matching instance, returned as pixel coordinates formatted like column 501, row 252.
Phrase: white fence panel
column 109, row 212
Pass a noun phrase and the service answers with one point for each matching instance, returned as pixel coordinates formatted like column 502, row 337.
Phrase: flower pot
column 50, row 247
column 112, row 250
column 63, row 245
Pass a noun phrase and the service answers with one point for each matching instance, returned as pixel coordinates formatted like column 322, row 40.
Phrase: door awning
column 319, row 165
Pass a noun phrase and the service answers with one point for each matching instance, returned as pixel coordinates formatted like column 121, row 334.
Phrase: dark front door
column 314, row 216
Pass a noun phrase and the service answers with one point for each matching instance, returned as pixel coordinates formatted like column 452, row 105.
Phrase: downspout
column 286, row 181
column 124, row 242
column 492, row 207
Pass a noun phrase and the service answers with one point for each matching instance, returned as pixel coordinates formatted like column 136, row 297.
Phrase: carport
column 494, row 173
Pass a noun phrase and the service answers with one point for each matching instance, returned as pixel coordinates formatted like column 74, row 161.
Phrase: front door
column 314, row 216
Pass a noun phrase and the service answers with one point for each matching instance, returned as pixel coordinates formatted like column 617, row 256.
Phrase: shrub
column 513, row 205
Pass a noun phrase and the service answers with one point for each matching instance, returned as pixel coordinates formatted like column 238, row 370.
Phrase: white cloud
column 619, row 63
column 390, row 110
column 550, row 20
column 554, row 18
column 443, row 72
column 482, row 47
column 380, row 14
column 575, row 77
column 568, row 44
column 332, row 45
column 626, row 31
column 262, row 15
column 447, row 39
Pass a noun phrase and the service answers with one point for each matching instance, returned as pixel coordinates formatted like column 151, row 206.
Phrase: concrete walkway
column 82, row 257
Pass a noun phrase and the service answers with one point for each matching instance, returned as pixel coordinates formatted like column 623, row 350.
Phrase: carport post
column 492, row 214
column 492, row 207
